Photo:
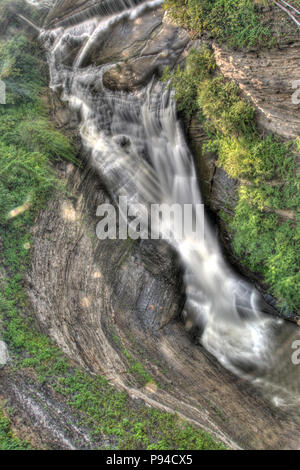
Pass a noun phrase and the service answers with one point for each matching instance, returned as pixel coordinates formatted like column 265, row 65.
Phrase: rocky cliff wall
column 267, row 78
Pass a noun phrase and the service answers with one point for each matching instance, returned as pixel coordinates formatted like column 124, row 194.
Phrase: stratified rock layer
column 267, row 78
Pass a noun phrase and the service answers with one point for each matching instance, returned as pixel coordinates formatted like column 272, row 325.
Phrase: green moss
column 269, row 246
column 110, row 412
column 138, row 371
column 238, row 22
column 28, row 143
column 8, row 441
column 265, row 165
column 185, row 82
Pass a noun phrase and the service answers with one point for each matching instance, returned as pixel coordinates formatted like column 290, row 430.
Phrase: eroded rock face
column 97, row 299
column 147, row 49
column 140, row 48
column 267, row 78
column 92, row 281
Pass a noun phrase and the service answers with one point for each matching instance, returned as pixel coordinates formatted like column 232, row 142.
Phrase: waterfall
column 101, row 8
column 137, row 145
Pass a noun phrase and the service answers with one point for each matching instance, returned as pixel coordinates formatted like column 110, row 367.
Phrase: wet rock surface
column 149, row 46
column 140, row 48
column 115, row 276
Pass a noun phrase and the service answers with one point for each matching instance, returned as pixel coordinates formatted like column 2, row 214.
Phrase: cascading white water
column 136, row 143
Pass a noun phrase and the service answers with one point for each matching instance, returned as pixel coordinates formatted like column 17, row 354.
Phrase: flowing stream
column 137, row 145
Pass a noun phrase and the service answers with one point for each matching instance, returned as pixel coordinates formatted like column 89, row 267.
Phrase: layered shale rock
column 106, row 301
column 267, row 77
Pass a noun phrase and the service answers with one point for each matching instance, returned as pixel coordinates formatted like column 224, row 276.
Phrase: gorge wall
column 100, row 305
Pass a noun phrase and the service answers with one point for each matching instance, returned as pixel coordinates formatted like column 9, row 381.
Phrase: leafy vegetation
column 110, row 412
column 8, row 10
column 237, row 22
column 267, row 167
column 29, row 145
column 8, row 441
column 137, row 370
column 104, row 410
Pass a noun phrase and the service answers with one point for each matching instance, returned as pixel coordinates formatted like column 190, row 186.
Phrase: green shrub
column 269, row 246
column 8, row 14
column 20, row 69
column 8, row 441
column 186, row 82
column 235, row 21
column 29, row 143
